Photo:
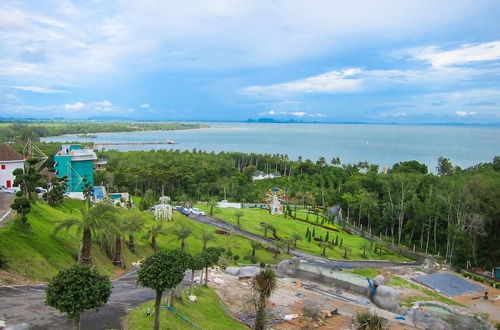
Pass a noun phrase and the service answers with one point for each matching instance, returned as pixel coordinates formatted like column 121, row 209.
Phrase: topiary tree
column 263, row 285
column 195, row 263
column 76, row 289
column 55, row 192
column 22, row 207
column 209, row 256
column 163, row 270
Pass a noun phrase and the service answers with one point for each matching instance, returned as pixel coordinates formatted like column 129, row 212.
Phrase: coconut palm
column 230, row 243
column 133, row 223
column 238, row 214
column 110, row 237
column 153, row 232
column 264, row 283
column 255, row 246
column 296, row 237
column 288, row 241
column 212, row 202
column 346, row 250
column 182, row 232
column 206, row 236
column 88, row 224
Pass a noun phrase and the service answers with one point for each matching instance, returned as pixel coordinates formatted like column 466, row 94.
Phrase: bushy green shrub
column 262, row 265
column 236, row 257
column 370, row 321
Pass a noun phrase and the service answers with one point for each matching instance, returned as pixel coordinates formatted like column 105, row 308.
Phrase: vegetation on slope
column 285, row 228
column 39, row 254
column 208, row 312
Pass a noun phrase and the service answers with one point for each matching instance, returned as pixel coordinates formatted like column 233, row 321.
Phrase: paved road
column 325, row 262
column 25, row 305
column 5, row 201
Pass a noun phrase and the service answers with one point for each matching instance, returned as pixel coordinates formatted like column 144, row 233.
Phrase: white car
column 196, row 211
column 7, row 190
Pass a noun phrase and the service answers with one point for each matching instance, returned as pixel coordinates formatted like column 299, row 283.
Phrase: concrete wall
column 6, row 174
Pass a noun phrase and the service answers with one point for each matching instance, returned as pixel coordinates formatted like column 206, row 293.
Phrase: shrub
column 236, row 257
column 246, row 257
column 262, row 265
column 368, row 321
column 3, row 260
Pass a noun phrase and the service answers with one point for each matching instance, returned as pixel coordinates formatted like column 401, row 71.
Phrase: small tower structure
column 163, row 211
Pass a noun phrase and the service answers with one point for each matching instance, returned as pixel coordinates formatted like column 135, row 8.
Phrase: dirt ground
column 305, row 300
column 477, row 304
column 8, row 278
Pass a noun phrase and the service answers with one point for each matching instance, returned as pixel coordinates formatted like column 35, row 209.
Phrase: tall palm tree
column 155, row 231
column 182, row 232
column 133, row 223
column 230, row 243
column 288, row 241
column 264, row 283
column 206, row 236
column 212, row 202
column 91, row 221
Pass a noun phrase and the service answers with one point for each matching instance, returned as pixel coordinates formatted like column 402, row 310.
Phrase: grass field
column 208, row 312
column 287, row 227
column 38, row 255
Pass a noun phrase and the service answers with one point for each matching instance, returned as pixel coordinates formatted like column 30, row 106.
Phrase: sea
column 384, row 145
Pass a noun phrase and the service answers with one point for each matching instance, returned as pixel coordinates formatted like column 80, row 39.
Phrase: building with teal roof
column 76, row 164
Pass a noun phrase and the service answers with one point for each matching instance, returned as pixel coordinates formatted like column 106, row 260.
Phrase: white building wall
column 6, row 174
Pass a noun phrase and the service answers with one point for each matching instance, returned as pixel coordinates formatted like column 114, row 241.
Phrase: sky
column 386, row 61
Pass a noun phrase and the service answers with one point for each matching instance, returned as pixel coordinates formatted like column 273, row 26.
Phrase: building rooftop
column 9, row 154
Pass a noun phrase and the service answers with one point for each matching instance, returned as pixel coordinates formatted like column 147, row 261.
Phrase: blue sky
column 372, row 61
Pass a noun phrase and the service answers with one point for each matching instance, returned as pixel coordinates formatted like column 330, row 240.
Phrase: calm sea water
column 380, row 144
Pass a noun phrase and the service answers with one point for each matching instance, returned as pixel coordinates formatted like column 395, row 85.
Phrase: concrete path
column 325, row 262
column 5, row 211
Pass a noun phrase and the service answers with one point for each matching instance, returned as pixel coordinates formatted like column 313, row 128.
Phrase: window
column 3, row 166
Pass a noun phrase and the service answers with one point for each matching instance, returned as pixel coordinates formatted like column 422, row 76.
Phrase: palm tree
column 296, row 237
column 212, row 202
column 264, row 283
column 288, row 241
column 324, row 245
column 133, row 223
column 264, row 227
column 153, row 232
column 182, row 232
column 238, row 214
column 110, row 237
column 346, row 250
column 230, row 243
column 90, row 222
column 364, row 247
column 255, row 246
column 206, row 236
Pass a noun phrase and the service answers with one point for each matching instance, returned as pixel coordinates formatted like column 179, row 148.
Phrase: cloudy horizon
column 390, row 61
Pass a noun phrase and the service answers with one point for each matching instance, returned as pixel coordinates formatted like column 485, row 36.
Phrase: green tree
column 28, row 178
column 288, row 241
column 77, row 289
column 195, row 263
column 56, row 190
column 88, row 192
column 444, row 166
column 133, row 223
column 88, row 224
column 22, row 206
column 296, row 237
column 182, row 232
column 263, row 285
column 209, row 257
column 206, row 236
column 162, row 270
column 153, row 232
column 255, row 246
column 212, row 202
column 239, row 214
column 346, row 250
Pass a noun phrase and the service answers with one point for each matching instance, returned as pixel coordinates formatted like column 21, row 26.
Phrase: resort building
column 9, row 161
column 259, row 175
column 76, row 164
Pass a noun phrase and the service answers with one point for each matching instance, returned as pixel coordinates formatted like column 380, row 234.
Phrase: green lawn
column 208, row 312
column 39, row 255
column 287, row 227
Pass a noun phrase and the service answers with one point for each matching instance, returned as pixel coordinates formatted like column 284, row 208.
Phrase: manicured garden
column 358, row 248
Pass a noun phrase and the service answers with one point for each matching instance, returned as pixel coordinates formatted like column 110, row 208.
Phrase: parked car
column 7, row 190
column 182, row 210
column 196, row 211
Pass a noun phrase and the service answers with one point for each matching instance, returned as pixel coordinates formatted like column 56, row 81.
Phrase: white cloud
column 330, row 82
column 36, row 89
column 466, row 54
column 144, row 106
column 11, row 20
column 74, row 107
column 293, row 113
column 298, row 113
column 465, row 113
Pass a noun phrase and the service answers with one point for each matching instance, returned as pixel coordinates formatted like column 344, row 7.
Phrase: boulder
column 249, row 271
column 235, row 271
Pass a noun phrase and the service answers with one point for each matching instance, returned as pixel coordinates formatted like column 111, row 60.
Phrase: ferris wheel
column 275, row 198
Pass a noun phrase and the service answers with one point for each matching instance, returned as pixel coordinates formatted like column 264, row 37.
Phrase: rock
column 235, row 271
column 386, row 298
column 249, row 271
column 289, row 317
column 324, row 313
column 192, row 298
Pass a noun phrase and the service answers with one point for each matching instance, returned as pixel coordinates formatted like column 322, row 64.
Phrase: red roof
column 9, row 154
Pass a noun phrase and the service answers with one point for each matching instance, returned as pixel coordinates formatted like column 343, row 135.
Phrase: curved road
column 310, row 258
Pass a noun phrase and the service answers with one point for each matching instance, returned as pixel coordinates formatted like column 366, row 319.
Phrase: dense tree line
column 22, row 131
column 454, row 212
